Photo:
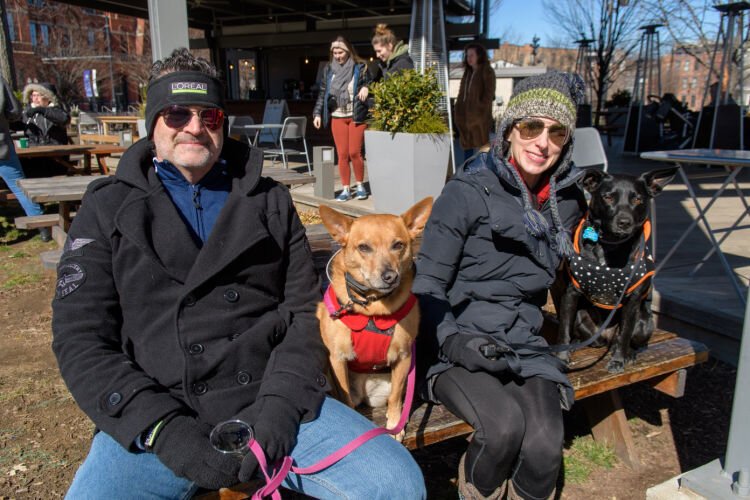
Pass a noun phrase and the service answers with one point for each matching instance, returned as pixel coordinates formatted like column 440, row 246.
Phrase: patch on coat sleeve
column 74, row 247
column 72, row 276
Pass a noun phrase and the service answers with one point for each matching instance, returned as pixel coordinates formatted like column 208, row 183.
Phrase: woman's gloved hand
column 470, row 352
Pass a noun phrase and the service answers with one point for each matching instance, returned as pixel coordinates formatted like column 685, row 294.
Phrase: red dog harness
column 602, row 285
column 371, row 335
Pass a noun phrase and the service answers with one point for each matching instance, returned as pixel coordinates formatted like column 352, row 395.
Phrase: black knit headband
column 189, row 88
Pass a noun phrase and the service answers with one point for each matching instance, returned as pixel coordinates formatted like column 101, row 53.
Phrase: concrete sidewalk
column 705, row 306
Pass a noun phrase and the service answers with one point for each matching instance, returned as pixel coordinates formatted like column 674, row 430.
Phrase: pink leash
column 277, row 476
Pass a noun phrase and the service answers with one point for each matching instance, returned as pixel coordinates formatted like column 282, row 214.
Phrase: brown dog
column 369, row 318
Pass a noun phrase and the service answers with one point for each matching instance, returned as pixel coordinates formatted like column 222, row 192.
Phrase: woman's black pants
column 518, row 429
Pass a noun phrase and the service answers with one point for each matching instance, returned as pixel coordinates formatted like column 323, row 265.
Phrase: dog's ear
column 592, row 179
column 416, row 217
column 336, row 223
column 655, row 180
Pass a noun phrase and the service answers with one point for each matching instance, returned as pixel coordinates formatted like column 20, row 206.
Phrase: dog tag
column 589, row 233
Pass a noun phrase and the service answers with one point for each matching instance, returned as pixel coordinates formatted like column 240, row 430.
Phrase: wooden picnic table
column 108, row 120
column 60, row 152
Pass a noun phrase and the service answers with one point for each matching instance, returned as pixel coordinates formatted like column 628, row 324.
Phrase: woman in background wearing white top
column 342, row 100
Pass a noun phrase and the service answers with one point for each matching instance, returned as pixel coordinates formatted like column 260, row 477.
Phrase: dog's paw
column 616, row 365
column 563, row 356
column 400, row 436
column 396, row 355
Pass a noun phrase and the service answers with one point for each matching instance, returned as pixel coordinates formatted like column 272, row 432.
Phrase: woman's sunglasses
column 179, row 116
column 531, row 128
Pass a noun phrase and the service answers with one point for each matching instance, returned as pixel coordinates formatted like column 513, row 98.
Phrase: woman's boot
column 467, row 491
column 513, row 494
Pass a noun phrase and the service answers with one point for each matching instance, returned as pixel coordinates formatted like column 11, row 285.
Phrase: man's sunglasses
column 531, row 128
column 179, row 116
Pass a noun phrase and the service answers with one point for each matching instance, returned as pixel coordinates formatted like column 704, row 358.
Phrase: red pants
column 348, row 137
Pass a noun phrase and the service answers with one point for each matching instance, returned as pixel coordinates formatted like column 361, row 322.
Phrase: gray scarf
column 342, row 75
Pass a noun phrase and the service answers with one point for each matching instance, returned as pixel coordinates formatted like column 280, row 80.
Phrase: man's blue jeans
column 379, row 469
column 11, row 171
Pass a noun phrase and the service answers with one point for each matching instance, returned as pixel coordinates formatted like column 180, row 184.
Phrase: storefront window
column 246, row 73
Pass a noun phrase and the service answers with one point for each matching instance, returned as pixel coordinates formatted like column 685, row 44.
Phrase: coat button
column 243, row 378
column 189, row 300
column 114, row 399
column 321, row 380
column 200, row 388
column 277, row 337
column 231, row 295
column 195, row 348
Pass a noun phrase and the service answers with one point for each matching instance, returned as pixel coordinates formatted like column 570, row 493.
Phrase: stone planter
column 141, row 124
column 405, row 168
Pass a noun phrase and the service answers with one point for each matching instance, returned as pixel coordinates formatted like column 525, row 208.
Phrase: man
column 186, row 296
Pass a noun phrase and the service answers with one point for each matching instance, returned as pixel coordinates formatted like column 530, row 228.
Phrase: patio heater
column 725, row 114
column 585, row 70
column 642, row 131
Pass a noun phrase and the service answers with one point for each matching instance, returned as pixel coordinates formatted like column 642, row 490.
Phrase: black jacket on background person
column 146, row 324
column 44, row 124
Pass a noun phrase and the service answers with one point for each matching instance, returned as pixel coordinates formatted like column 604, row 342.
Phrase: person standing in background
column 343, row 100
column 392, row 52
column 44, row 117
column 474, row 103
column 10, row 166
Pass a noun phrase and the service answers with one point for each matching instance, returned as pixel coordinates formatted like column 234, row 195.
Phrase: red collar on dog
column 371, row 335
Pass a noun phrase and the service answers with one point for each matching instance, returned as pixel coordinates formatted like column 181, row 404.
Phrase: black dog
column 611, row 256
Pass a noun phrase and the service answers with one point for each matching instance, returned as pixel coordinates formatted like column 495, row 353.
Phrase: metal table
column 732, row 161
column 258, row 127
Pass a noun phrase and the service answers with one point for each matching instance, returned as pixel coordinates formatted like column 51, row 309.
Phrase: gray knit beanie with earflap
column 554, row 95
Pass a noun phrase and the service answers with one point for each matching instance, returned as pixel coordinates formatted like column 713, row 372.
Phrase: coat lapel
column 238, row 228
column 150, row 220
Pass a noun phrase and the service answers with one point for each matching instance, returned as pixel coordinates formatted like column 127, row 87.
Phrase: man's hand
column 316, row 121
column 184, row 447
column 275, row 424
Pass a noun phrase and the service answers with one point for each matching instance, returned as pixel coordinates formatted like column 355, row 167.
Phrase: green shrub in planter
column 408, row 102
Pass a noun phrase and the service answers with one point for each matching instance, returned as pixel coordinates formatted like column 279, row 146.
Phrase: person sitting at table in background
column 393, row 54
column 186, row 296
column 44, row 116
column 343, row 99
column 490, row 252
column 474, row 102
column 10, row 166
column 45, row 123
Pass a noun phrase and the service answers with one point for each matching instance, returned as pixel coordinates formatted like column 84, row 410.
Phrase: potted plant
column 407, row 141
column 75, row 112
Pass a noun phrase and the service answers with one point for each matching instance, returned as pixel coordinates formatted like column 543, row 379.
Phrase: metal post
column 169, row 27
column 112, row 101
column 323, row 169
column 738, row 445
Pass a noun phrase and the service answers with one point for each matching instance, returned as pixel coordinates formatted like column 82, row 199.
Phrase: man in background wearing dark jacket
column 186, row 297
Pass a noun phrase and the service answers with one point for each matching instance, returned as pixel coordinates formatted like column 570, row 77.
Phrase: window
column 11, row 27
column 686, row 66
column 694, row 83
column 32, row 34
column 692, row 101
column 45, row 34
column 695, row 66
column 36, row 3
column 91, row 38
column 684, row 83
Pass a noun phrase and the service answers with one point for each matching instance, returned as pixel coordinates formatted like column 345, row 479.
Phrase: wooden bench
column 6, row 195
column 99, row 139
column 662, row 365
column 37, row 221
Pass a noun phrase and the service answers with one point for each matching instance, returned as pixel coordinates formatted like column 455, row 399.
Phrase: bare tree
column 612, row 24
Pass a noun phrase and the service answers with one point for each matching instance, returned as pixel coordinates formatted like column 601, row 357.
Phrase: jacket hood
column 242, row 162
column 399, row 50
column 48, row 90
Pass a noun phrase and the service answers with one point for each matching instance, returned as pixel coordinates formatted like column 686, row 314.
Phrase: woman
column 342, row 99
column 489, row 253
column 393, row 54
column 10, row 166
column 475, row 96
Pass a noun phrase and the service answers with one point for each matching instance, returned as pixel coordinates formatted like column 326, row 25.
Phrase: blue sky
column 516, row 21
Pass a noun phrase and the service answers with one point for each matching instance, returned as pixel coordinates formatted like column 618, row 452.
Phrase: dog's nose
column 624, row 223
column 389, row 277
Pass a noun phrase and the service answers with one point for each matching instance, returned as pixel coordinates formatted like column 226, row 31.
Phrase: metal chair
column 236, row 126
column 294, row 129
column 588, row 150
column 88, row 124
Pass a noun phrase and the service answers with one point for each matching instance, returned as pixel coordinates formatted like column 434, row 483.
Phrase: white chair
column 589, row 150
column 237, row 124
column 294, row 129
